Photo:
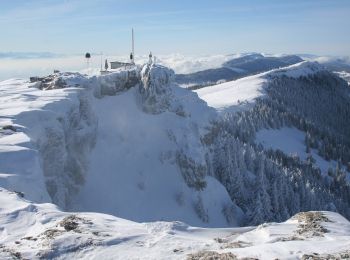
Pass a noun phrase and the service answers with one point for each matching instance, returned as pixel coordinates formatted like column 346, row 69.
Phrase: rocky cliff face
column 64, row 145
column 130, row 135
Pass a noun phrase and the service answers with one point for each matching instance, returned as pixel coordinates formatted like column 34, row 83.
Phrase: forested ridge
column 269, row 185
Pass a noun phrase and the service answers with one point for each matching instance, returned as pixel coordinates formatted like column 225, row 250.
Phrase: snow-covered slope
column 127, row 143
column 292, row 142
column 233, row 95
column 242, row 93
column 42, row 231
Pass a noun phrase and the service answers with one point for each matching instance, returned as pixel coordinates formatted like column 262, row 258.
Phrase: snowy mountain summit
column 135, row 145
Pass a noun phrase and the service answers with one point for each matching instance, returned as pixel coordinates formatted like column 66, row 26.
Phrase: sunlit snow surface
column 233, row 95
column 33, row 231
column 241, row 94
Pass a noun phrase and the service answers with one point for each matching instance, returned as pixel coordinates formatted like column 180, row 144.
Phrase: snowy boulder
column 155, row 89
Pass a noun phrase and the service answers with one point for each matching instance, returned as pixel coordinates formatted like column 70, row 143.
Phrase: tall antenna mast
column 133, row 53
column 101, row 60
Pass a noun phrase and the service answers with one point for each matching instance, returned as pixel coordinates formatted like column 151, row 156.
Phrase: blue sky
column 177, row 26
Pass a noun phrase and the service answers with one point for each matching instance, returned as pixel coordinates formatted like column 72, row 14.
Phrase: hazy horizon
column 24, row 65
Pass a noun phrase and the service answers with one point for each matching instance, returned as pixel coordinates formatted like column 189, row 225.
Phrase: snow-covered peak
column 305, row 68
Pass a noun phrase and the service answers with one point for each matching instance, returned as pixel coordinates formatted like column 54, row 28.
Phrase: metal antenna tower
column 132, row 46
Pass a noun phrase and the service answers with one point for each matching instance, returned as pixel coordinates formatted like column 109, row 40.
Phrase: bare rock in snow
column 310, row 224
column 9, row 127
column 211, row 255
column 59, row 80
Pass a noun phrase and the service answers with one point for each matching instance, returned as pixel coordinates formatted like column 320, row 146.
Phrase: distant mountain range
column 250, row 64
column 236, row 68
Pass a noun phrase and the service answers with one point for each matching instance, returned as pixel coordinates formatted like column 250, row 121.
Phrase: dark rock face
column 9, row 127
